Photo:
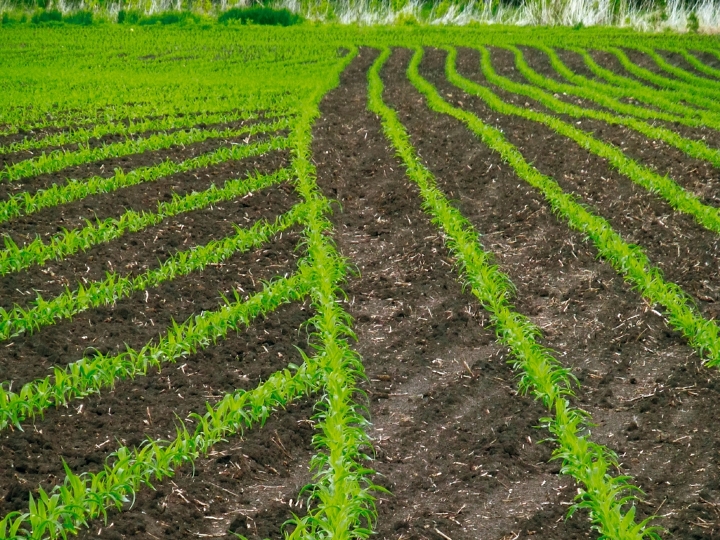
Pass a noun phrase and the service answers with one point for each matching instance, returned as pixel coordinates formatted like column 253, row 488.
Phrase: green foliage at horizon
column 261, row 15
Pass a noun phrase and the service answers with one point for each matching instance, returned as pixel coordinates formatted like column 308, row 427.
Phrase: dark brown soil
column 640, row 217
column 609, row 61
column 140, row 197
column 541, row 64
column 451, row 434
column 45, row 131
column 239, row 483
column 455, row 444
column 9, row 159
column 677, row 60
column 695, row 175
column 135, row 253
column 707, row 58
column 646, row 410
column 106, row 168
column 642, row 60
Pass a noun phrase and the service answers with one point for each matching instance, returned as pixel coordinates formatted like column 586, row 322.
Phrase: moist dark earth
column 456, row 446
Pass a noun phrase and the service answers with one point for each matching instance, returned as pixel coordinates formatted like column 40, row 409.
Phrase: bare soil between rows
column 455, row 444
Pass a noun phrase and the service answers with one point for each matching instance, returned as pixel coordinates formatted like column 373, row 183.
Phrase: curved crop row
column 697, row 64
column 625, row 87
column 691, row 147
column 628, row 260
column 88, row 116
column 602, row 494
column 69, row 506
column 90, row 375
column 15, row 258
column 689, row 93
column 60, row 159
column 676, row 196
column 341, row 501
column 342, row 493
column 43, row 312
column 136, row 126
column 687, row 77
column 584, row 88
column 27, row 203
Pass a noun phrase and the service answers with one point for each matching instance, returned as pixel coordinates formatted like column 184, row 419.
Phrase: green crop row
column 687, row 92
column 119, row 118
column 676, row 196
column 90, row 375
column 687, row 77
column 126, row 129
column 27, row 203
column 584, row 88
column 691, row 147
column 609, row 96
column 697, row 64
column 41, row 312
column 602, row 494
column 625, row 87
column 60, row 159
column 14, row 258
column 70, row 505
column 72, row 82
column 341, row 504
column 630, row 261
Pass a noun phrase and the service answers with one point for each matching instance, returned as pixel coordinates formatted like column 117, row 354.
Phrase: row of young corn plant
column 690, row 93
column 679, row 73
column 611, row 95
column 670, row 89
column 691, row 147
column 345, row 507
column 37, row 252
column 697, row 64
column 621, row 87
column 89, row 376
column 341, row 502
column 665, row 187
column 26, row 120
column 41, row 312
column 628, row 260
column 67, row 507
column 135, row 127
column 60, row 159
column 541, row 375
column 27, row 203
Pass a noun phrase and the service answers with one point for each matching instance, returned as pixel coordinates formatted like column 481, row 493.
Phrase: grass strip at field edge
column 628, row 260
column 691, row 147
column 14, row 258
column 89, row 295
column 663, row 186
column 27, row 203
column 541, row 374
